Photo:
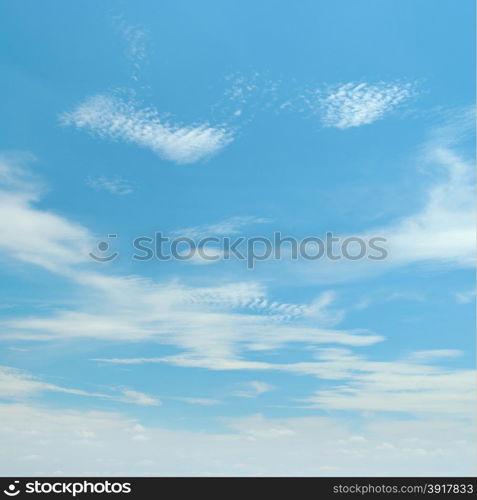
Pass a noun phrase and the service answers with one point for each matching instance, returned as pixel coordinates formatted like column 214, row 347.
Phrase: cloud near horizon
column 101, row 443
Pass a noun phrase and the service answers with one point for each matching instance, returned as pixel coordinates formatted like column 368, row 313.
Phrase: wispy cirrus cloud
column 139, row 398
column 59, row 243
column 213, row 327
column 112, row 117
column 432, row 355
column 117, row 119
column 231, row 225
column 198, row 401
column 207, row 321
column 253, row 389
column 18, row 384
column 211, row 321
column 465, row 297
column 444, row 228
column 343, row 105
column 440, row 230
column 356, row 104
column 135, row 43
column 413, row 385
column 114, row 185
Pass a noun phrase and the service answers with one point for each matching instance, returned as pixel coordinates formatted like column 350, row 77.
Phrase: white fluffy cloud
column 113, row 118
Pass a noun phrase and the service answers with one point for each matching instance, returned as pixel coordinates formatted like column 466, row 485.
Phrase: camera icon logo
column 103, row 246
column 12, row 490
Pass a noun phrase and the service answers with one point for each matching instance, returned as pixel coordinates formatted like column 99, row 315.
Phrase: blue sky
column 231, row 119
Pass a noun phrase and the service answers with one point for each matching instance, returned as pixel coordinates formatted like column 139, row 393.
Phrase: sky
column 244, row 119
